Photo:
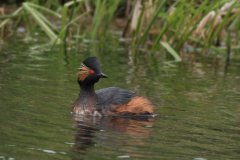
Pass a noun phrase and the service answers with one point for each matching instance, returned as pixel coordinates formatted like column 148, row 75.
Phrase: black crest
column 93, row 63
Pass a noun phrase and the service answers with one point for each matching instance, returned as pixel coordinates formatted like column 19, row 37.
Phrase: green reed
column 180, row 27
column 177, row 23
column 103, row 14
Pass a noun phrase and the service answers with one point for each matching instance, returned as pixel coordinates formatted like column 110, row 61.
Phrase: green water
column 197, row 100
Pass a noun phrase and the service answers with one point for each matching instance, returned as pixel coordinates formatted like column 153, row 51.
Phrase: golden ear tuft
column 84, row 71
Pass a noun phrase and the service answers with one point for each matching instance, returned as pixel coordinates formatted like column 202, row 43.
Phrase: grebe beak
column 103, row 75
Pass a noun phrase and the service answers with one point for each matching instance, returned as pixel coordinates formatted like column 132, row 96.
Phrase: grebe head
column 90, row 71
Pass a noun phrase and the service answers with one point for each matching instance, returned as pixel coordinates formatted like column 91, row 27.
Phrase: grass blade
column 63, row 30
column 71, row 15
column 44, row 9
column 217, row 49
column 6, row 20
column 138, row 29
column 47, row 21
column 13, row 16
column 64, row 17
column 171, row 51
column 145, row 33
column 40, row 22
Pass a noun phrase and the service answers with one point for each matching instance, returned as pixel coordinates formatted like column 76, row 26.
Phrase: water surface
column 197, row 102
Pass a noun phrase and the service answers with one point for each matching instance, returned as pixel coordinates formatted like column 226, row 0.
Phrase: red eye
column 92, row 71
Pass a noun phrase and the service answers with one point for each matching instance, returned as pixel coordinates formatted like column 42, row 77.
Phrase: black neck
column 87, row 97
column 87, row 89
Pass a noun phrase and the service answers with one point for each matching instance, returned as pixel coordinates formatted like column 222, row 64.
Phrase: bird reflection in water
column 89, row 128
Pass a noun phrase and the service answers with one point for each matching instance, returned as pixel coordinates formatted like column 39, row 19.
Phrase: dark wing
column 113, row 96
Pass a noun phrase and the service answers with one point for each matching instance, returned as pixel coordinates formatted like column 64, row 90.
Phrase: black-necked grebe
column 112, row 101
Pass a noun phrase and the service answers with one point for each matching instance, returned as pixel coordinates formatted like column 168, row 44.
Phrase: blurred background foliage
column 151, row 24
